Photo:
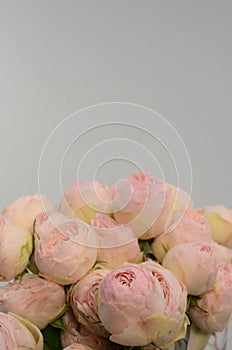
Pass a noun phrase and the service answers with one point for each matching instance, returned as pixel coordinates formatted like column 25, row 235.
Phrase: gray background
column 172, row 56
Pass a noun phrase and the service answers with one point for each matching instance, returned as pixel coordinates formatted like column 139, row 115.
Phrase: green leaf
column 51, row 338
column 58, row 323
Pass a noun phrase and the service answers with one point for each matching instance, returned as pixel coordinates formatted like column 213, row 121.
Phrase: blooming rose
column 220, row 220
column 188, row 226
column 25, row 209
column 149, row 207
column 78, row 347
column 47, row 221
column 77, row 333
column 141, row 304
column 19, row 297
column 18, row 333
column 15, row 248
column 84, row 301
column 199, row 276
column 215, row 305
column 86, row 199
column 60, row 257
column 118, row 244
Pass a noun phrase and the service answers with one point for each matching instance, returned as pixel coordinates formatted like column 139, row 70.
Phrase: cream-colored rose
column 15, row 248
column 220, row 220
column 17, row 333
column 34, row 298
column 25, row 209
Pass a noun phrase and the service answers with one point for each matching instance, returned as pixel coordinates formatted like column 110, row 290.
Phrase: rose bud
column 25, row 209
column 84, row 301
column 149, row 206
column 199, row 276
column 77, row 333
column 15, row 248
column 61, row 258
column 222, row 252
column 118, row 244
column 47, row 221
column 19, row 333
column 85, row 199
column 188, row 226
column 214, row 309
column 76, row 346
column 142, row 304
column 19, row 298
column 220, row 220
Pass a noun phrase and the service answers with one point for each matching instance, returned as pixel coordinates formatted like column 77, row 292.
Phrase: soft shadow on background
column 174, row 57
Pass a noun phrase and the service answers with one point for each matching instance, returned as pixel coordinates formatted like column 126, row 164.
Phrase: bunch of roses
column 113, row 268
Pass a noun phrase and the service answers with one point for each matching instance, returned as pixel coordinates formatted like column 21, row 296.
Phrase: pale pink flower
column 25, row 209
column 149, row 206
column 77, row 333
column 47, row 221
column 61, row 258
column 15, row 248
column 195, row 264
column 84, row 301
column 85, row 199
column 141, row 304
column 19, row 298
column 18, row 333
column 220, row 220
column 188, row 226
column 222, row 252
column 215, row 306
column 117, row 243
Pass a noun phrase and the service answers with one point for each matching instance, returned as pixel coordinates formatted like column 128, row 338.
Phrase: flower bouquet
column 128, row 267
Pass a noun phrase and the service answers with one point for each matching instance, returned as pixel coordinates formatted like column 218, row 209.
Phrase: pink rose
column 188, row 226
column 148, row 208
column 220, row 220
column 216, row 303
column 18, row 333
column 85, row 199
column 77, row 333
column 141, row 304
column 25, row 209
column 19, row 297
column 84, row 301
column 117, row 243
column 61, row 258
column 199, row 276
column 15, row 248
column 47, row 221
